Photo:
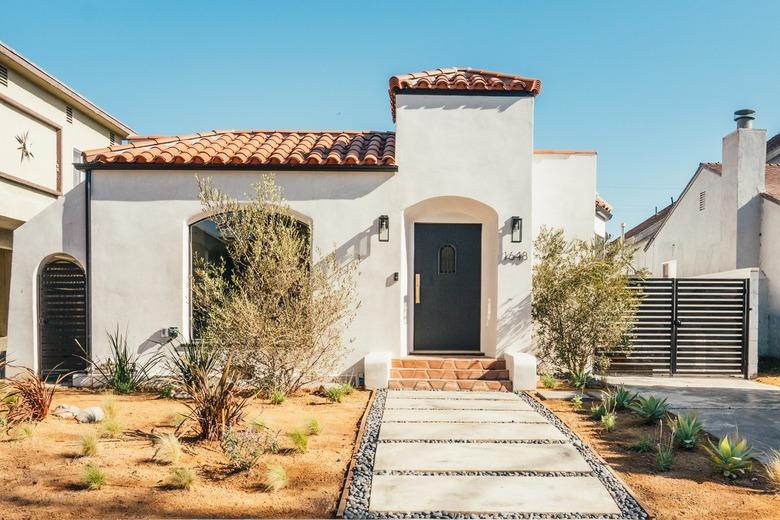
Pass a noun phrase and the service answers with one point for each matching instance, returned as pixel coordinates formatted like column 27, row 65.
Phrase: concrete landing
column 490, row 494
column 470, row 431
column 482, row 456
column 457, row 404
column 428, row 394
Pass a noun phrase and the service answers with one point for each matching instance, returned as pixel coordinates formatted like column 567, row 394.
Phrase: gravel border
column 360, row 489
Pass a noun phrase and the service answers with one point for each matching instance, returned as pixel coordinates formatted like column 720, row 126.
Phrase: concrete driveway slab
column 490, row 494
column 482, row 456
column 469, row 431
column 724, row 404
column 466, row 416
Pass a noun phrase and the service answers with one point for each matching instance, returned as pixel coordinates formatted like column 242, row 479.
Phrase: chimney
column 742, row 171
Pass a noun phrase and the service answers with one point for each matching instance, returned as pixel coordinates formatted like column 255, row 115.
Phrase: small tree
column 279, row 312
column 583, row 308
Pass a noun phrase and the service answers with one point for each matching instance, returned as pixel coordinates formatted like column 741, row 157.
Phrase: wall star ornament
column 24, row 146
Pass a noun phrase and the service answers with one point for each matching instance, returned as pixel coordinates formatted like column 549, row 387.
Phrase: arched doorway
column 62, row 316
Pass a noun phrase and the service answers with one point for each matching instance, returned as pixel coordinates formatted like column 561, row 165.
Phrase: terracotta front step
column 452, row 363
column 449, row 384
column 448, row 374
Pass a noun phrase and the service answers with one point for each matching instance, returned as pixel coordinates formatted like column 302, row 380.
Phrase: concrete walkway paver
column 449, row 434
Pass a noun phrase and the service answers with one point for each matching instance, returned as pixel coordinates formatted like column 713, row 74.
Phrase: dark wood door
column 447, row 277
column 62, row 317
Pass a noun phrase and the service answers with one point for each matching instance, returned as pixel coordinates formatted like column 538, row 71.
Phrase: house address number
column 519, row 256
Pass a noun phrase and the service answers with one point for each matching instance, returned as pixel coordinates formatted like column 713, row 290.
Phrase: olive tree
column 582, row 307
column 279, row 312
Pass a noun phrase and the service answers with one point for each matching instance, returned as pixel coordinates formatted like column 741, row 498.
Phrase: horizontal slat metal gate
column 693, row 326
column 62, row 316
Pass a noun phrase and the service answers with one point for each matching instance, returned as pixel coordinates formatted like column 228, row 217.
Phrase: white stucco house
column 726, row 224
column 44, row 126
column 440, row 213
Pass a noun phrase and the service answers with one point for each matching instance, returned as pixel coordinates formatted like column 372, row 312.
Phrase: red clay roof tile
column 459, row 78
column 253, row 148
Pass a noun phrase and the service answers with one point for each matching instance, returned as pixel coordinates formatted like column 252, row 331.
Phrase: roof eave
column 385, row 168
column 49, row 83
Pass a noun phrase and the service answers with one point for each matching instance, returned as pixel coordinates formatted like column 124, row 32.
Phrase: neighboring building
column 726, row 223
column 451, row 200
column 603, row 215
column 44, row 126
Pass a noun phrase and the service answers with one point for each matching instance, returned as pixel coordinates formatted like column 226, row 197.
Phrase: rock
column 66, row 411
column 93, row 414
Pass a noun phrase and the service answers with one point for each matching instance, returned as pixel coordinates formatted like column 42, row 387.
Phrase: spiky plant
column 29, row 398
column 21, row 431
column 89, row 444
column 111, row 428
column 664, row 450
column 643, row 445
column 576, row 403
column 167, row 449
column 579, row 379
column 277, row 397
column 182, row 478
column 313, row 426
column 609, row 421
column 275, row 478
column 623, row 399
column 650, row 408
column 686, row 429
column 772, row 469
column 731, row 457
column 300, row 440
column 548, row 381
column 94, row 477
column 334, row 394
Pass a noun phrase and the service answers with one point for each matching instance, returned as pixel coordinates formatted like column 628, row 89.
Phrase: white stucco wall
column 770, row 269
column 564, row 193
column 690, row 236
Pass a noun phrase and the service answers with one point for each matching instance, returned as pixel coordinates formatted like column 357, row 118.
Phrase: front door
column 447, row 276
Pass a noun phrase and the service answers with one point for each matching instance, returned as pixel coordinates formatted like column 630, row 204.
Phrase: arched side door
column 62, row 316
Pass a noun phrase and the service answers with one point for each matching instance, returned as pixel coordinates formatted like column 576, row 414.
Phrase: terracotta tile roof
column 603, row 205
column 647, row 223
column 459, row 78
column 255, row 148
column 771, row 177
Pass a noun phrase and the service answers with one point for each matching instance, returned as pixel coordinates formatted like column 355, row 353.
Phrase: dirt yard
column 41, row 477
column 692, row 489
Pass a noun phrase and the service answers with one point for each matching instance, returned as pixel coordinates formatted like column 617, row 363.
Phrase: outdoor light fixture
column 517, row 230
column 384, row 228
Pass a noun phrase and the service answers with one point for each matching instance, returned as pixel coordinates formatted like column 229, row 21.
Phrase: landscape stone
column 93, row 414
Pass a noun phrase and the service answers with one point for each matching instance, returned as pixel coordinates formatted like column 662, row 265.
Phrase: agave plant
column 686, row 429
column 579, row 379
column 731, row 457
column 650, row 408
column 622, row 398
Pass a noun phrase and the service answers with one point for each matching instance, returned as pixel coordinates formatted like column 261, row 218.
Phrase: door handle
column 417, row 288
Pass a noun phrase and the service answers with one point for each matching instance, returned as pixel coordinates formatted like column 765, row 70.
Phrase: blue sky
column 650, row 85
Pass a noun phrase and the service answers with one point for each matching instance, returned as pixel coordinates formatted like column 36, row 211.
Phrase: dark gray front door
column 447, row 275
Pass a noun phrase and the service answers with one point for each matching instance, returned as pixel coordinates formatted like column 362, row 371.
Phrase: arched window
column 447, row 259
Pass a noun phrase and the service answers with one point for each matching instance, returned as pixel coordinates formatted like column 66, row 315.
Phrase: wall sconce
column 384, row 228
column 517, row 230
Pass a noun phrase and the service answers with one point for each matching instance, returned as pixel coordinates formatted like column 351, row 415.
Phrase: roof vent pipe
column 744, row 118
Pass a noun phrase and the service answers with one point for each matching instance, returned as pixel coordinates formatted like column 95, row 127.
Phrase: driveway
column 724, row 404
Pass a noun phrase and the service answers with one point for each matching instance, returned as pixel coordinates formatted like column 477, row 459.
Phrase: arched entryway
column 62, row 316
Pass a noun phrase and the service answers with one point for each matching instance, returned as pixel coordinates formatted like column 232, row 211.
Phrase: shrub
column 167, row 449
column 271, row 441
column 347, row 388
column 643, row 445
column 124, row 372
column 111, row 428
column 597, row 411
column 182, row 478
column 334, row 394
column 623, row 399
column 583, row 307
column 609, row 421
column 731, row 457
column 109, row 408
column 216, row 405
column 650, row 408
column 166, row 392
column 664, row 458
column 243, row 448
column 686, row 429
column 548, row 381
column 772, row 468
column 94, row 477
column 300, row 441
column 89, row 444
column 313, row 427
column 185, row 357
column 278, row 313
column 277, row 397
column 29, row 399
column 576, row 403
column 275, row 478
column 21, row 431
column 579, row 379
